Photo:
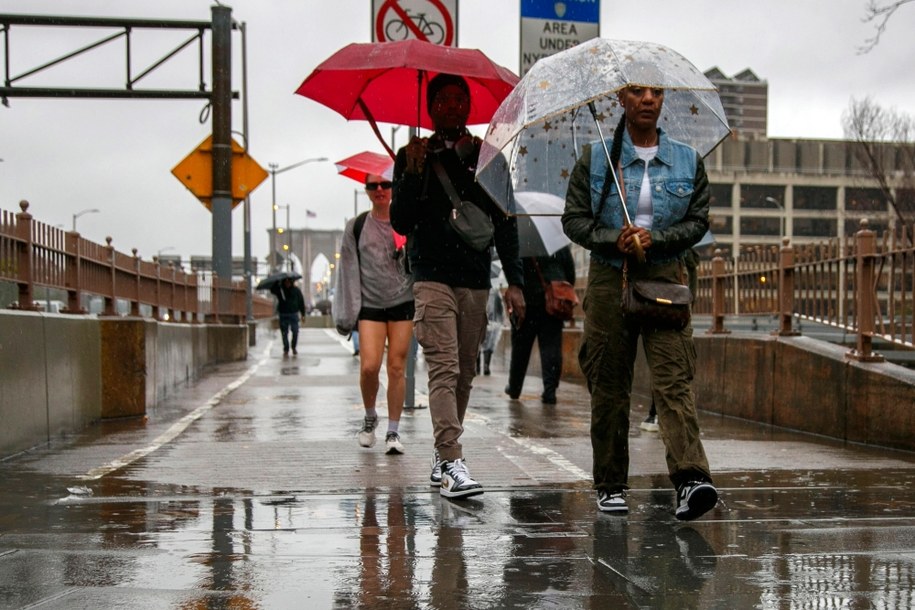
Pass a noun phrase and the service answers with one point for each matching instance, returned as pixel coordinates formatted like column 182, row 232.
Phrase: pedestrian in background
column 290, row 305
column 667, row 194
column 452, row 279
column 539, row 325
column 374, row 296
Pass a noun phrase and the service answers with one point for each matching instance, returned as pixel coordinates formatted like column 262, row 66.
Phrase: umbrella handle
column 636, row 242
column 371, row 119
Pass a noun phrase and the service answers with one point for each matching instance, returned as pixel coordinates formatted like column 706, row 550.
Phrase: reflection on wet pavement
column 267, row 502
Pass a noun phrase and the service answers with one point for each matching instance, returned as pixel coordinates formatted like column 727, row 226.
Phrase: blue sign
column 583, row 11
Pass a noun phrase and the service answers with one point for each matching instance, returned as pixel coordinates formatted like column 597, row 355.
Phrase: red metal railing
column 35, row 254
column 863, row 285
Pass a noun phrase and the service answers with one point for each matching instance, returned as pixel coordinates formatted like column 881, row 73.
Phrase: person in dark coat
column 290, row 305
column 451, row 278
column 539, row 325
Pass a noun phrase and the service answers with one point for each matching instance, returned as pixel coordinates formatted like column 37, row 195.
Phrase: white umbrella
column 569, row 99
column 539, row 223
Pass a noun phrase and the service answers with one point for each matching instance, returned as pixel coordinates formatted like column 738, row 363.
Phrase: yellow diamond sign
column 195, row 172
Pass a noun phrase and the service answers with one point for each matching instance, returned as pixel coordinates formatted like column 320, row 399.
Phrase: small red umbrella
column 367, row 162
column 385, row 82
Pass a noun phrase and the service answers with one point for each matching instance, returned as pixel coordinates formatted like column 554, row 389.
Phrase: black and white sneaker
column 694, row 499
column 650, row 424
column 435, row 479
column 612, row 502
column 456, row 481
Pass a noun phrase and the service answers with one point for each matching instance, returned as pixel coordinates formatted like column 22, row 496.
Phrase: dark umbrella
column 275, row 278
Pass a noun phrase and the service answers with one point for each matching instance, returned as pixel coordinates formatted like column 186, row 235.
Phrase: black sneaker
column 612, row 502
column 694, row 499
column 513, row 394
column 456, row 481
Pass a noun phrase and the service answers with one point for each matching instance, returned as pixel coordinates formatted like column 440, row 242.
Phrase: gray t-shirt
column 385, row 282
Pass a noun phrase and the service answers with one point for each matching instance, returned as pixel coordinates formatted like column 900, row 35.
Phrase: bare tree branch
column 878, row 12
column 881, row 141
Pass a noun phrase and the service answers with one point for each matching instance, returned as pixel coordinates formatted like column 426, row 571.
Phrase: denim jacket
column 679, row 196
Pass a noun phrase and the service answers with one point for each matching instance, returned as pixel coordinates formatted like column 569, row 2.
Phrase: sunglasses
column 371, row 186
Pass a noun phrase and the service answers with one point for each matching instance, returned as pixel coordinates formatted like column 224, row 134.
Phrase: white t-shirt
column 644, row 211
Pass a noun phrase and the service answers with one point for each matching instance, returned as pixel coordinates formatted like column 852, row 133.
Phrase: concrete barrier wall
column 45, row 390
column 60, row 373
column 797, row 383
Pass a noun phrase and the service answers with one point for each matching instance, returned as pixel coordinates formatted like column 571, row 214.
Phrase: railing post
column 24, row 258
column 171, row 311
column 74, row 274
column 135, row 304
column 718, row 282
column 214, row 298
column 865, row 263
column 786, row 289
column 157, row 308
column 110, row 298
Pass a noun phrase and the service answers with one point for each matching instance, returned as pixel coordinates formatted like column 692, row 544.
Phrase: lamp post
column 274, row 170
column 287, row 245
column 78, row 214
column 781, row 223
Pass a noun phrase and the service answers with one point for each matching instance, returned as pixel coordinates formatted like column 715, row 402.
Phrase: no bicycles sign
column 434, row 21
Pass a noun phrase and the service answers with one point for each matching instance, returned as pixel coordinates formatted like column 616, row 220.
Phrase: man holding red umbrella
column 451, row 277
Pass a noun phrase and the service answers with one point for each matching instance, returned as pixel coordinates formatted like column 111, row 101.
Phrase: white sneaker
column 367, row 434
column 393, row 444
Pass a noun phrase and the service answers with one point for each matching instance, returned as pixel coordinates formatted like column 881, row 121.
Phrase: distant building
column 745, row 99
column 205, row 264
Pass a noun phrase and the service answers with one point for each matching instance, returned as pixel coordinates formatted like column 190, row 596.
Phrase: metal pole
column 288, row 242
column 222, row 149
column 249, row 288
column 272, row 257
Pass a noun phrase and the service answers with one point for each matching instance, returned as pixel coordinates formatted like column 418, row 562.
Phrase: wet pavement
column 248, row 490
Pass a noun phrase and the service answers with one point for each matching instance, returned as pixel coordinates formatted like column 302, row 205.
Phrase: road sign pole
column 222, row 149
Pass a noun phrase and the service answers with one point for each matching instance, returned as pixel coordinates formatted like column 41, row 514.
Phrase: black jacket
column 420, row 209
column 288, row 300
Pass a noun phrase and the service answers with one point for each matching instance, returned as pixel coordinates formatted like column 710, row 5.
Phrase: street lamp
column 287, row 246
column 781, row 225
column 274, row 170
column 78, row 214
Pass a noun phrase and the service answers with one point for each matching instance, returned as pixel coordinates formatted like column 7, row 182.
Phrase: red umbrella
column 384, row 81
column 360, row 165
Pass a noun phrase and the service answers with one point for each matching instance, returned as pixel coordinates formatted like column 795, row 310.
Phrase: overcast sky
column 66, row 155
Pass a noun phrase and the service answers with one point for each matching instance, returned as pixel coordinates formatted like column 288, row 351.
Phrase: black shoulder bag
column 470, row 222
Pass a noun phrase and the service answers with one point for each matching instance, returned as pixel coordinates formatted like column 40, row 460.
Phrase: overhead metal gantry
column 219, row 96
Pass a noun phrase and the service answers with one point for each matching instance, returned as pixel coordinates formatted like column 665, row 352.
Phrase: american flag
column 310, row 214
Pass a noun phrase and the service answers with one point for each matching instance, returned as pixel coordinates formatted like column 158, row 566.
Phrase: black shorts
column 398, row 313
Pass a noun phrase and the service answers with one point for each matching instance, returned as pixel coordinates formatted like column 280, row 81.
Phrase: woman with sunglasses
column 374, row 295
